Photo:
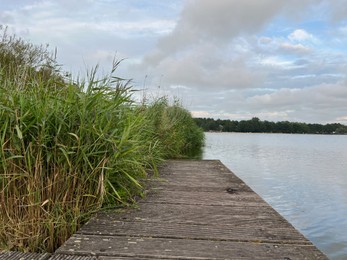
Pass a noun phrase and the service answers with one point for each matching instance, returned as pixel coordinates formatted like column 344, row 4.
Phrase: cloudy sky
column 230, row 59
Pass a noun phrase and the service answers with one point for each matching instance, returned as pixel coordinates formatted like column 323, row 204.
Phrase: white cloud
column 300, row 35
column 265, row 40
column 86, row 33
column 295, row 48
column 279, row 63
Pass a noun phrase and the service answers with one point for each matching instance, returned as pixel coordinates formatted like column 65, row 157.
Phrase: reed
column 175, row 128
column 69, row 148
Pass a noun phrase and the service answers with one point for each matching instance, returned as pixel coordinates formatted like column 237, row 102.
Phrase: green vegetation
column 68, row 148
column 257, row 126
column 176, row 129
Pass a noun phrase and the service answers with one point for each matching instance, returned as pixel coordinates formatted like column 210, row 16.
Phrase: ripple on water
column 302, row 176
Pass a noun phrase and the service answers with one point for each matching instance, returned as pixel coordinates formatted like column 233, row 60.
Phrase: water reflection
column 303, row 177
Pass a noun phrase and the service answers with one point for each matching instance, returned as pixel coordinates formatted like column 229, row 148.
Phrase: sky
column 228, row 59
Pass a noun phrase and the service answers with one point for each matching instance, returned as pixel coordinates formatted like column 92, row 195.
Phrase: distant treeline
column 255, row 125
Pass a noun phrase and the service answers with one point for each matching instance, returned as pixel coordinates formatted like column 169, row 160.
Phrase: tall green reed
column 68, row 148
column 65, row 152
column 175, row 128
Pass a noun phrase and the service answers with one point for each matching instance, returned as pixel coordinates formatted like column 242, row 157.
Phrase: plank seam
column 276, row 242
column 199, row 204
column 164, row 257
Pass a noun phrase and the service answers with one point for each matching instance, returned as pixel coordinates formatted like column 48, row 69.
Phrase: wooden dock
column 194, row 210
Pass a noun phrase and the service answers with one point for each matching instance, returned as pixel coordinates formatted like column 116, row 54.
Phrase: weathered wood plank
column 187, row 183
column 195, row 210
column 174, row 185
column 207, row 180
column 184, row 248
column 206, row 175
column 195, row 214
column 221, row 198
column 256, row 232
column 198, row 167
column 127, row 258
column 12, row 255
column 72, row 257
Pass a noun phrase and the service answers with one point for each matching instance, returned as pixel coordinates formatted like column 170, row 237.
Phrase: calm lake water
column 304, row 177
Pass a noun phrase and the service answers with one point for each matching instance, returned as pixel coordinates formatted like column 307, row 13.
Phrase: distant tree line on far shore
column 255, row 125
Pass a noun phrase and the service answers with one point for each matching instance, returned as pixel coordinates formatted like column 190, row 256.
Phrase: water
column 304, row 177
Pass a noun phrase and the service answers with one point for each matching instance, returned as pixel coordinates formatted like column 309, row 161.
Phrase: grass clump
column 69, row 148
column 174, row 126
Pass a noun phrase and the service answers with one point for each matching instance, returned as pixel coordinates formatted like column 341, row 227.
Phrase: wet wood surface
column 194, row 210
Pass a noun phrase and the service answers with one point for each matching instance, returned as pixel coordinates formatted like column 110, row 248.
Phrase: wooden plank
column 221, row 198
column 184, row 248
column 235, row 221
column 195, row 210
column 201, row 168
column 175, row 185
column 12, row 255
column 133, row 258
column 199, row 182
column 256, row 232
column 126, row 258
column 199, row 174
column 198, row 214
column 71, row 257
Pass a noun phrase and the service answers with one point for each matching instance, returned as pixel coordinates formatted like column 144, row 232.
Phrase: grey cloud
column 204, row 72
column 220, row 21
column 214, row 21
column 182, row 54
column 6, row 17
column 215, row 54
column 223, row 20
column 317, row 103
column 338, row 9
